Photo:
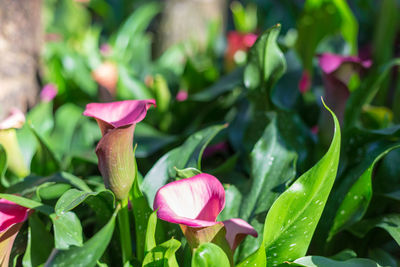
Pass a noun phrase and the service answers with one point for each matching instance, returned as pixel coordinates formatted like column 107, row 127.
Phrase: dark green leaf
column 3, row 162
column 187, row 155
column 317, row 261
column 89, row 253
column 390, row 223
column 40, row 243
column 28, row 203
column 293, row 217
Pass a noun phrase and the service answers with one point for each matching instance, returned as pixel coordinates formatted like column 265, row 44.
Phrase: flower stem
column 124, row 230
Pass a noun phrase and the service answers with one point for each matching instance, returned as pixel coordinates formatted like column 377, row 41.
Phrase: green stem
column 124, row 230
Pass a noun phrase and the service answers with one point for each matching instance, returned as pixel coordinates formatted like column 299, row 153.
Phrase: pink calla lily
column 337, row 72
column 117, row 122
column 12, row 217
column 48, row 93
column 196, row 202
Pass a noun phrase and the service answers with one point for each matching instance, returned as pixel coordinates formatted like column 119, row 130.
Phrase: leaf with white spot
column 293, row 217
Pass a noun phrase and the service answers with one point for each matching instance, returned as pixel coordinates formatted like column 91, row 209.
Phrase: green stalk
column 124, row 231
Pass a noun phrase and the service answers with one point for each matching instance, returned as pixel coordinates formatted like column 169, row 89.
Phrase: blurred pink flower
column 48, row 93
column 215, row 148
column 182, row 95
column 305, row 82
column 12, row 217
column 15, row 119
column 238, row 42
column 117, row 121
column 337, row 71
column 106, row 75
column 196, row 202
column 105, row 49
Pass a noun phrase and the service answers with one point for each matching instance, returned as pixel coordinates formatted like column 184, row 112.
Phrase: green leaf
column 41, row 118
column 73, row 198
column 318, row 261
column 28, row 203
column 3, row 162
column 50, row 191
column 366, row 93
column 356, row 201
column 186, row 173
column 257, row 259
column 349, row 25
column 272, row 165
column 150, row 140
column 389, row 222
column 39, row 244
column 266, row 64
column 187, row 155
column 44, row 161
column 209, row 255
column 162, row 255
column 30, row 183
column 151, row 232
column 293, row 217
column 67, row 230
column 89, row 253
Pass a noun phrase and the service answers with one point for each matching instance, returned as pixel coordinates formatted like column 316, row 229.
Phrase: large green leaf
column 73, row 197
column 150, row 140
column 265, row 66
column 317, row 261
column 150, row 241
column 67, row 230
column 356, row 201
column 293, row 217
column 209, row 255
column 257, row 259
column 389, row 222
column 89, row 253
column 187, row 155
column 162, row 255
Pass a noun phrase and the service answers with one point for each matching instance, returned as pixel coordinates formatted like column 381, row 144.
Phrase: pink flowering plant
column 252, row 146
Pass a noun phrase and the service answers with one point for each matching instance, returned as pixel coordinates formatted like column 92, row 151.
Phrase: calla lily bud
column 48, row 93
column 117, row 122
column 8, row 139
column 194, row 203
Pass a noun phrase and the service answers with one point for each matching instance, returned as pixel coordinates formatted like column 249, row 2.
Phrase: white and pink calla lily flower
column 12, row 217
column 14, row 120
column 196, row 202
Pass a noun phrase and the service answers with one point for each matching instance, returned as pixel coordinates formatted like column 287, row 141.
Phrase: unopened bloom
column 337, row 71
column 194, row 203
column 48, row 92
column 12, row 217
column 8, row 139
column 117, row 122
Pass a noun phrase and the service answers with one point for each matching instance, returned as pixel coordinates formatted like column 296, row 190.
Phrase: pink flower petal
column 195, row 201
column 305, row 82
column 48, row 92
column 182, row 95
column 15, row 119
column 11, row 214
column 237, row 230
column 331, row 62
column 118, row 114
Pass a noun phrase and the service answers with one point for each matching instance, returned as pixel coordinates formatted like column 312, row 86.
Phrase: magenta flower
column 117, row 122
column 48, row 92
column 305, row 82
column 195, row 203
column 181, row 96
column 12, row 217
column 337, row 72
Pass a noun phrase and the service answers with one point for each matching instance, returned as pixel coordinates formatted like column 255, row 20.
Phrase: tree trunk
column 188, row 19
column 20, row 41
